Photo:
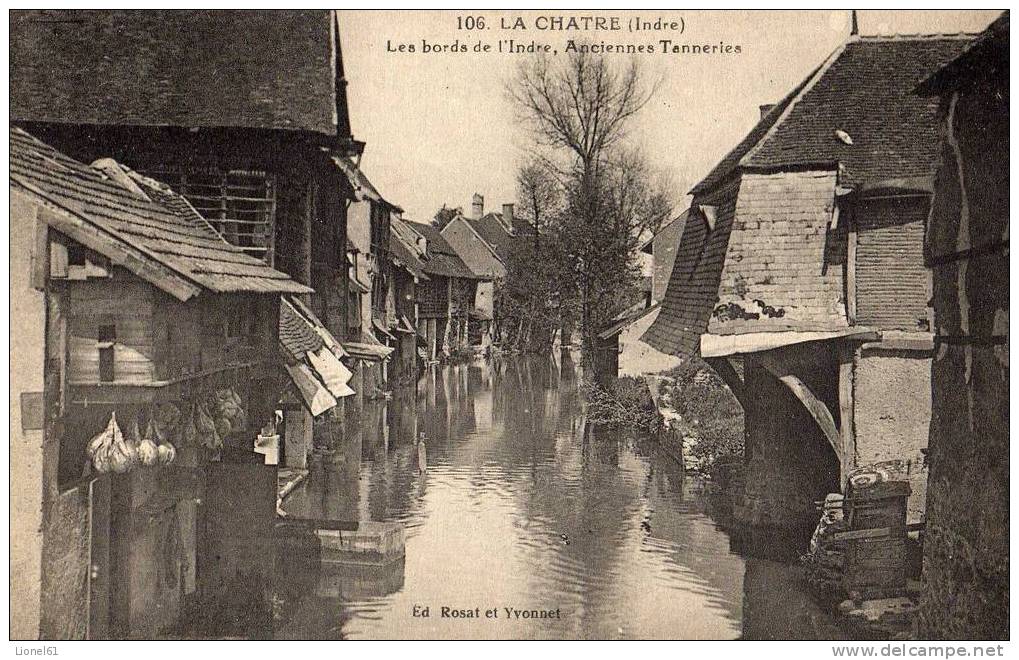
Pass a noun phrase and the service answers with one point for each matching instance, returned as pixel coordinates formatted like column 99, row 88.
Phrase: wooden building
column 133, row 306
column 248, row 123
column 966, row 546
column 803, row 255
column 372, row 276
column 408, row 275
column 447, row 298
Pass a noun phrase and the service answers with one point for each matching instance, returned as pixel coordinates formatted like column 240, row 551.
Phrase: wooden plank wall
column 124, row 301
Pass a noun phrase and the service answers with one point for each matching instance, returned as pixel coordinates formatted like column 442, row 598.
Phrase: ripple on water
column 518, row 508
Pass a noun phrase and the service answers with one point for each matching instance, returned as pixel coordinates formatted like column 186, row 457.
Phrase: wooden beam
column 116, row 250
column 846, row 412
column 851, row 244
column 817, row 409
column 728, row 374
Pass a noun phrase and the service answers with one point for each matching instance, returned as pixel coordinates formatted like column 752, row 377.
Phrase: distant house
column 621, row 349
column 662, row 249
column 408, row 274
column 803, row 253
column 966, row 546
column 372, row 327
column 485, row 240
column 447, row 299
column 127, row 302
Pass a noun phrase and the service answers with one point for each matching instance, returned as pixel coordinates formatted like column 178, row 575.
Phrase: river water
column 521, row 507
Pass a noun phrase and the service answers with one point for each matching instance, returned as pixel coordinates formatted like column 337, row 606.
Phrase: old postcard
column 510, row 325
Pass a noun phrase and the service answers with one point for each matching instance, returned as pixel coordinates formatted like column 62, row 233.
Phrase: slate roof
column 252, row 69
column 115, row 215
column 866, row 89
column 442, row 258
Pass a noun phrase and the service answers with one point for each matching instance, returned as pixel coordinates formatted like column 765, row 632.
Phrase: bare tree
column 582, row 105
column 579, row 108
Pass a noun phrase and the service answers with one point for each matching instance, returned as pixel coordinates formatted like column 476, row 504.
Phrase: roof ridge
column 916, row 36
column 474, row 230
column 804, row 90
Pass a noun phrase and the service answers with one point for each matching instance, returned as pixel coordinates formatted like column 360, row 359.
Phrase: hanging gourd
column 148, row 454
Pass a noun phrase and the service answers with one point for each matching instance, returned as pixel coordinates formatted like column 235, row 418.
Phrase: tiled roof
column 254, row 69
column 731, row 161
column 492, row 230
column 986, row 57
column 693, row 285
column 359, row 182
column 442, row 258
column 166, row 235
column 770, row 263
column 866, row 90
column 297, row 335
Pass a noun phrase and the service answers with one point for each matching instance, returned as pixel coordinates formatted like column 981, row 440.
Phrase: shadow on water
column 522, row 506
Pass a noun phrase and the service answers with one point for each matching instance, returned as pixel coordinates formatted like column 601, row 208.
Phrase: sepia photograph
column 476, row 324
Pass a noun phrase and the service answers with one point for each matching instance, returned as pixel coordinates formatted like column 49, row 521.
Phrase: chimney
column 854, row 28
column 507, row 217
column 477, row 206
column 766, row 108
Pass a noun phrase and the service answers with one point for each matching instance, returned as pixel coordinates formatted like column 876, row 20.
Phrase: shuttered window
column 239, row 204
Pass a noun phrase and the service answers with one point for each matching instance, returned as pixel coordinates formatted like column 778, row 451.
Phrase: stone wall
column 789, row 462
column 966, row 552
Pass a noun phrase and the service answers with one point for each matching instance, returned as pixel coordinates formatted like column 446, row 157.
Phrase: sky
column 439, row 127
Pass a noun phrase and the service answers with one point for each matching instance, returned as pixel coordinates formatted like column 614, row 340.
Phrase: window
column 240, row 205
column 107, row 351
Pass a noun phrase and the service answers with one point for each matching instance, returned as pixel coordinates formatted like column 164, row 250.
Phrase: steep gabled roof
column 442, row 258
column 866, row 90
column 359, row 182
column 133, row 219
column 405, row 256
column 250, row 69
column 493, row 231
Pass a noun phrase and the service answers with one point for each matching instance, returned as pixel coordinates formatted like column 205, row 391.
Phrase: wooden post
column 817, row 409
column 298, row 431
column 847, row 430
column 851, row 244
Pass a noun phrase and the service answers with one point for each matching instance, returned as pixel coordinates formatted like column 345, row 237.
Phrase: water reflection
column 522, row 506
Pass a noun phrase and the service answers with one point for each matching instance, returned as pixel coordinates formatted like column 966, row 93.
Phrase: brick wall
column 776, row 276
column 891, row 279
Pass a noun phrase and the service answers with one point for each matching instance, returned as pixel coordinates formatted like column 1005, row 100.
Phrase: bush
column 707, row 412
column 628, row 403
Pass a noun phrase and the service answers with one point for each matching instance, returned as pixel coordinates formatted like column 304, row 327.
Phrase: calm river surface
column 520, row 508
